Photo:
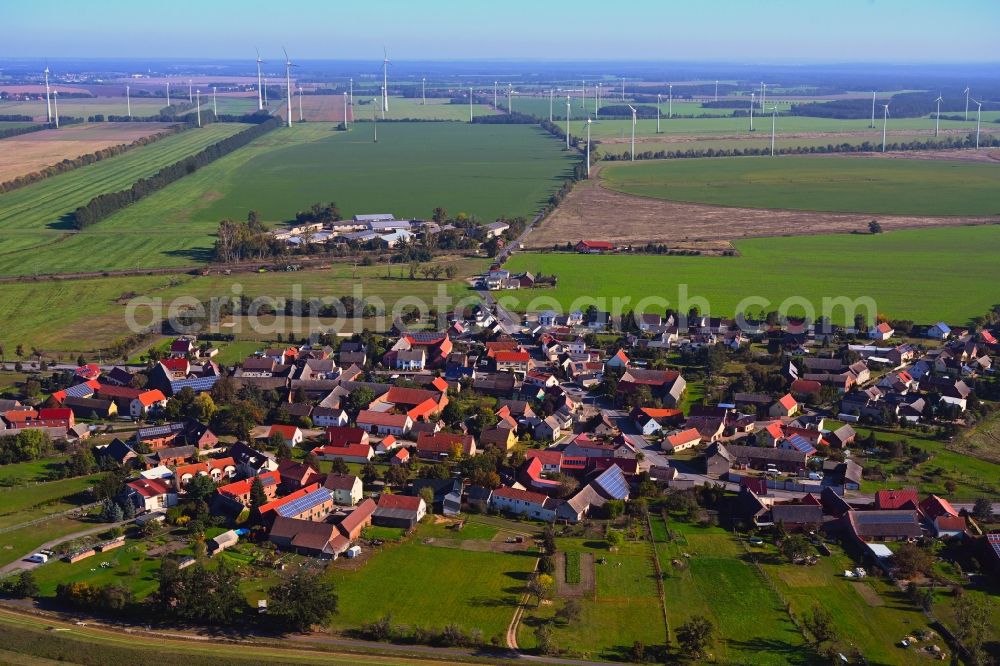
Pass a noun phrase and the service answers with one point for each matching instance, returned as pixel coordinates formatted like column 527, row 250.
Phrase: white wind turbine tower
column 198, row 106
column 632, row 148
column 288, row 84
column 260, row 94
column 885, row 121
column 670, row 101
column 658, row 102
column 583, row 101
column 48, row 104
column 567, row 120
column 215, row 107
column 128, row 102
column 300, row 102
column 979, row 118
column 588, row 146
column 385, row 81
column 345, row 111
column 374, row 119
column 350, row 84
column 752, row 101
column 470, row 105
column 716, row 90
column 423, row 91
column 55, row 100
column 597, row 99
column 510, row 98
column 937, row 121
column 168, row 93
column 774, row 113
column 551, row 97
column 495, row 97
column 966, row 91
column 763, row 94
column 623, row 88
column 190, row 96
column 872, row 125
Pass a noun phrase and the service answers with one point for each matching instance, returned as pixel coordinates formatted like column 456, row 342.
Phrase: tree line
column 17, row 131
column 109, row 203
column 948, row 143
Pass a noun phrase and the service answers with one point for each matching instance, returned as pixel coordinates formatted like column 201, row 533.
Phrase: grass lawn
column 85, row 315
column 626, row 608
column 822, row 183
column 127, row 564
column 936, row 274
column 32, row 471
column 24, row 503
column 17, row 543
column 428, row 586
column 752, row 625
column 875, row 629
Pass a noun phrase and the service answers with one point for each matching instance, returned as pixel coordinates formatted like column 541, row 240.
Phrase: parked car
column 37, row 558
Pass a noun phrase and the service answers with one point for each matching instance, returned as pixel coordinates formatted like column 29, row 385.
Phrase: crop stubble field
column 30, row 152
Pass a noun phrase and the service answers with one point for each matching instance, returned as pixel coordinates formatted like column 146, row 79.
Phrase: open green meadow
column 83, row 315
column 21, row 504
column 34, row 218
column 86, row 106
column 822, row 183
column 624, row 607
column 411, row 108
column 486, row 171
column 925, row 275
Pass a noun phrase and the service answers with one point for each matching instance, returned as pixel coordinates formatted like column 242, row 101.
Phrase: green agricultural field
column 936, row 274
column 290, row 169
column 832, row 183
column 86, row 106
column 436, row 109
column 428, row 586
column 34, row 217
column 103, row 568
column 21, row 504
column 71, row 316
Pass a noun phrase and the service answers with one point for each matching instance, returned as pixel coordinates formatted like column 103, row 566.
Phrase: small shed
column 223, row 541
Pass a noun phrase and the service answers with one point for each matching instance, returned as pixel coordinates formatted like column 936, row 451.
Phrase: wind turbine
column 885, row 121
column 670, row 101
column 510, row 98
column 198, row 106
column 937, row 122
column 752, row 94
column 495, row 97
column 470, row 105
column 260, row 98
column 55, row 100
column 716, row 90
column 351, row 91
column 300, row 102
column 345, row 111
column 385, row 81
column 128, row 103
column 423, row 91
column 588, row 146
column 658, row 101
column 551, row 93
column 168, row 93
column 48, row 104
column 632, row 149
column 375, row 119
column 763, row 94
column 567, row 120
column 979, row 118
column 597, row 98
column 623, row 88
column 774, row 113
column 872, row 126
column 583, row 100
column 215, row 107
column 288, row 84
column 190, row 97
column 966, row 91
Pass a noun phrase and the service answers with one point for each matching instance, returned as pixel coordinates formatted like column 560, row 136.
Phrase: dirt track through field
column 594, row 212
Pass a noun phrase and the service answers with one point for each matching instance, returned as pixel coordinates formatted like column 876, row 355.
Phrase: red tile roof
column 411, row 397
column 402, row 455
column 548, row 457
column 242, row 487
column 382, row 419
column 286, row 431
column 176, row 364
column 150, row 487
column 933, row 506
column 950, row 523
column 358, row 517
column 896, row 499
column 55, row 414
column 684, row 437
column 787, row 401
column 148, row 398
column 345, row 436
column 516, row 494
column 350, row 451
column 301, row 492
column 405, row 502
column 512, row 357
column 596, row 245
column 443, row 442
column 89, row 371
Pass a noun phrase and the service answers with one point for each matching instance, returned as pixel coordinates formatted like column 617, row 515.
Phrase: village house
column 524, row 503
column 291, row 434
column 403, row 511
column 148, row 495
column 438, row 446
column 384, row 423
column 238, row 492
column 346, row 490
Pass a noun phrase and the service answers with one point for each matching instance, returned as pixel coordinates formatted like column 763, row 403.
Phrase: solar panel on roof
column 801, row 444
column 613, row 483
column 160, row 430
column 197, row 384
column 79, row 391
column 304, row 503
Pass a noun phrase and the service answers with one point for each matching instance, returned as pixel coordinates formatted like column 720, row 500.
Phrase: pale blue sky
column 731, row 30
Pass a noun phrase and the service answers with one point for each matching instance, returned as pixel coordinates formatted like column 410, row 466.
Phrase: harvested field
column 39, row 89
column 31, row 152
column 82, row 107
column 595, row 212
column 986, row 155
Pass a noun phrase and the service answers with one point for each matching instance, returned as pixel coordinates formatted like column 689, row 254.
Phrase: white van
column 37, row 558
